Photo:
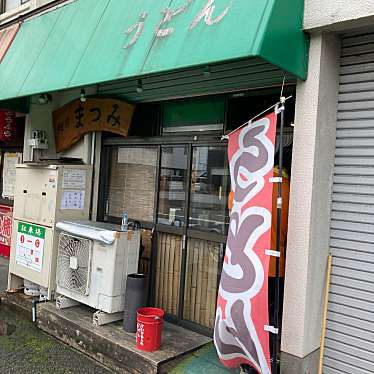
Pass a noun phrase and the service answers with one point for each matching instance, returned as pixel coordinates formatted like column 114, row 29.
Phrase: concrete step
column 108, row 344
column 113, row 347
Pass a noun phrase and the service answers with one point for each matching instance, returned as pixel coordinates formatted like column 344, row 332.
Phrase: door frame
column 182, row 140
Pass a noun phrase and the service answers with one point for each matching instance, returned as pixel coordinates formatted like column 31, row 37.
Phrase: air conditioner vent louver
column 73, row 263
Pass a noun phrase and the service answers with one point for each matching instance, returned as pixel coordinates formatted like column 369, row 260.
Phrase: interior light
column 139, row 87
column 83, row 95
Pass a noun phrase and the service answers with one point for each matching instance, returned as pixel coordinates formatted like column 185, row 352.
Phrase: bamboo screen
column 132, row 183
column 201, row 282
column 168, row 268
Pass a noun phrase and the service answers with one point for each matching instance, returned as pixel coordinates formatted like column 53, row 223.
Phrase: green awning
column 87, row 42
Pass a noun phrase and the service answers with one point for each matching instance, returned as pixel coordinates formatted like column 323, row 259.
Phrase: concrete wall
column 309, row 219
column 40, row 118
column 338, row 14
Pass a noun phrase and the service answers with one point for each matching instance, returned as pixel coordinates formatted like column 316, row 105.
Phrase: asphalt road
column 24, row 349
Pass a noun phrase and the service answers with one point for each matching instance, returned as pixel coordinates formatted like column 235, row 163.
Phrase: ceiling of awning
column 88, row 42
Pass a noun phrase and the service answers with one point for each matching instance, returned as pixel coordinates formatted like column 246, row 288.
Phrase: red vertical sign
column 8, row 126
column 242, row 315
column 6, row 213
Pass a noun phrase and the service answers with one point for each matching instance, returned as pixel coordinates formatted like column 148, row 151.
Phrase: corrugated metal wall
column 350, row 326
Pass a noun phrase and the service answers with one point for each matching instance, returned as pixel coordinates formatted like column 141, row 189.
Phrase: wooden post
column 199, row 280
column 158, row 266
column 165, row 273
column 204, row 283
column 325, row 307
column 209, row 283
column 188, row 281
column 170, row 273
column 176, row 274
column 162, row 266
column 194, row 279
column 216, row 250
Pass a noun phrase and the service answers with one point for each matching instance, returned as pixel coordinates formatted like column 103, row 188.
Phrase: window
column 8, row 5
column 132, row 183
column 173, row 178
column 209, row 189
column 197, row 115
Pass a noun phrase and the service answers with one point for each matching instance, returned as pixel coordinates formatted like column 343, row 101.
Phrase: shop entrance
column 171, row 174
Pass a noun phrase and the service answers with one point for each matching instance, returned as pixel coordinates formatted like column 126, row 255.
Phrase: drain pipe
column 35, row 302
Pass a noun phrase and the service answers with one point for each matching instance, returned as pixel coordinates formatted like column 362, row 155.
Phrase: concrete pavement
column 24, row 349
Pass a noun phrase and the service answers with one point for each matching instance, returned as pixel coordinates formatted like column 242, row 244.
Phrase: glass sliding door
column 206, row 235
column 132, row 183
column 209, row 190
column 173, row 186
column 192, row 223
column 171, row 226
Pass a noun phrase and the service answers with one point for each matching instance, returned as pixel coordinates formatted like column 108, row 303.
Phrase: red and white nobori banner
column 242, row 306
column 8, row 126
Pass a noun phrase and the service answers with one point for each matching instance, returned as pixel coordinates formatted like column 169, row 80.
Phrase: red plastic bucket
column 149, row 329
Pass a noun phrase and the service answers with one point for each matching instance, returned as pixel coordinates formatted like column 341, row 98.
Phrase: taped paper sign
column 9, row 173
column 74, row 178
column 72, row 200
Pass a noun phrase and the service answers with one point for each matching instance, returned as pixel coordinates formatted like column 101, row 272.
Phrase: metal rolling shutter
column 350, row 326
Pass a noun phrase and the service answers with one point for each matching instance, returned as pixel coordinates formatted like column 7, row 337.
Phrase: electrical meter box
column 44, row 195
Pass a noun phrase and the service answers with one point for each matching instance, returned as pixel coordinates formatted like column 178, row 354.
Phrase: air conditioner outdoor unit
column 93, row 262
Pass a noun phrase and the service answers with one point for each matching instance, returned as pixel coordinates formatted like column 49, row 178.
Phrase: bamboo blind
column 132, row 185
column 201, row 283
column 168, row 268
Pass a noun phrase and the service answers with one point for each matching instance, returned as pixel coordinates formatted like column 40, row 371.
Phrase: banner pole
column 278, row 242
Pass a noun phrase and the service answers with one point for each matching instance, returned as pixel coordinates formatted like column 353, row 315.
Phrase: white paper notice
column 137, row 156
column 72, row 200
column 9, row 173
column 74, row 178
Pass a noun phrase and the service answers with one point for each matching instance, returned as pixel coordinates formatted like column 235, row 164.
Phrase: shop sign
column 242, row 319
column 207, row 14
column 5, row 225
column 30, row 246
column 8, row 126
column 74, row 120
